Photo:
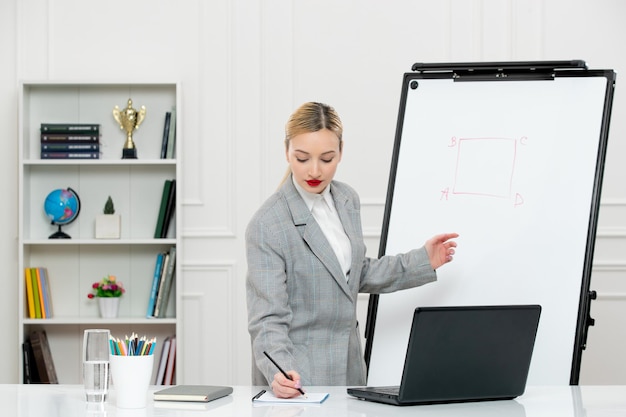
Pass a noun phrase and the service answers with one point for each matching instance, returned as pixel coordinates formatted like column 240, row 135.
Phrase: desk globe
column 62, row 207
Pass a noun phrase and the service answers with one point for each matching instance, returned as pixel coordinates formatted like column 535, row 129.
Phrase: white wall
column 244, row 66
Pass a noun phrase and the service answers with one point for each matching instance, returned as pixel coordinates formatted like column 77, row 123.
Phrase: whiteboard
column 513, row 167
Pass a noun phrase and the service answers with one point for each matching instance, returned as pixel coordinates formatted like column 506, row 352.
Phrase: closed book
column 165, row 351
column 169, row 209
column 199, row 393
column 162, row 208
column 26, row 364
column 70, row 155
column 31, row 375
column 69, row 138
column 43, row 357
column 166, row 261
column 156, row 278
column 166, row 134
column 87, row 128
column 74, row 147
column 171, row 141
column 45, row 286
column 164, row 292
column 36, row 300
column 40, row 287
column 30, row 301
column 168, row 379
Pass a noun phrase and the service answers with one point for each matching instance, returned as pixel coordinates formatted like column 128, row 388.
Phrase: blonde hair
column 312, row 117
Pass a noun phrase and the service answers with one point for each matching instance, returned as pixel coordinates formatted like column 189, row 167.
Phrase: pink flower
column 107, row 287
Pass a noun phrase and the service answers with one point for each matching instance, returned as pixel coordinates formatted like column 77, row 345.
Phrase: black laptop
column 460, row 354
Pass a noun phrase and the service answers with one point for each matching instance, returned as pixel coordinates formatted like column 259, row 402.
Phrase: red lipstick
column 313, row 183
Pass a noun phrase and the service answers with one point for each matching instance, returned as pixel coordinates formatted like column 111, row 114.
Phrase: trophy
column 129, row 119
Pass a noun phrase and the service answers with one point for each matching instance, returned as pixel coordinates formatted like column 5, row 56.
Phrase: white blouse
column 324, row 212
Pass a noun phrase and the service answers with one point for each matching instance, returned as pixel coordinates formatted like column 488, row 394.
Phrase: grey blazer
column 301, row 309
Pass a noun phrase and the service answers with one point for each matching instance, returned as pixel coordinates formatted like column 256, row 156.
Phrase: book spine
column 26, row 365
column 47, row 356
column 167, row 285
column 171, row 360
column 155, row 286
column 69, row 138
column 70, row 155
column 36, row 302
column 166, row 134
column 45, row 285
column 37, row 345
column 165, row 350
column 162, row 207
column 171, row 141
column 42, row 304
column 29, row 293
column 67, row 146
column 32, row 364
column 157, row 304
column 88, row 128
column 169, row 209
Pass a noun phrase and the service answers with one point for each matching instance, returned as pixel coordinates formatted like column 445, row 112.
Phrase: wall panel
column 244, row 65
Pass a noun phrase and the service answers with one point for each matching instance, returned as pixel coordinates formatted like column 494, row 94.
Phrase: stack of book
column 38, row 299
column 70, row 141
column 164, row 275
column 38, row 364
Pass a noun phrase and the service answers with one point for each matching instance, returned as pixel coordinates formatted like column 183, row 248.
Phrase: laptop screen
column 471, row 352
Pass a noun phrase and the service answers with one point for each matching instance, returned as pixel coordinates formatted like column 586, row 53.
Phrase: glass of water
column 96, row 364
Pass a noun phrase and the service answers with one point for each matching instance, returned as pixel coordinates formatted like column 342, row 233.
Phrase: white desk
column 68, row 401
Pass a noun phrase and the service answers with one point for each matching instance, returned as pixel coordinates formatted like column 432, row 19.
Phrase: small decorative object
column 108, row 224
column 108, row 292
column 129, row 119
column 62, row 207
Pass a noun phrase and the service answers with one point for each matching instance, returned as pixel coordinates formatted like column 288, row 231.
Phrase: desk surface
column 552, row 401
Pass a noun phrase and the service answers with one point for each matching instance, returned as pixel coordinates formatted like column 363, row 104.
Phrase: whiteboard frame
column 503, row 72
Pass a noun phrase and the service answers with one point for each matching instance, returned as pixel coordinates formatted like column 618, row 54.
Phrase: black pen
column 256, row 397
column 281, row 371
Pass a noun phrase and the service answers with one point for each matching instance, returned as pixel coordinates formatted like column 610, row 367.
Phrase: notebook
column 458, row 354
column 200, row 393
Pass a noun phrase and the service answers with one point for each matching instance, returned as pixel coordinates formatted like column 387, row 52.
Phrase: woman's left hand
column 441, row 249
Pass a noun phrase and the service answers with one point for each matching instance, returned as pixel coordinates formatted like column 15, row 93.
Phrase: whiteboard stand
column 510, row 155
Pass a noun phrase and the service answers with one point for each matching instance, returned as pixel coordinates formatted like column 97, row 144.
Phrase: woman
column 307, row 264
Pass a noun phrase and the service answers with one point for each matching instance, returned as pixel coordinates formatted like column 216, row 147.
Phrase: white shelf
column 135, row 186
column 100, row 162
column 83, row 242
column 99, row 321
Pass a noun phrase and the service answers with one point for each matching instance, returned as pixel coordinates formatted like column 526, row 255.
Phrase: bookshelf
column 135, row 186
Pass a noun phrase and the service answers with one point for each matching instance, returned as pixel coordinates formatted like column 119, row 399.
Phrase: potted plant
column 108, row 292
column 108, row 224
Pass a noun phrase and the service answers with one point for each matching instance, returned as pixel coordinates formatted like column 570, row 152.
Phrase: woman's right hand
column 284, row 387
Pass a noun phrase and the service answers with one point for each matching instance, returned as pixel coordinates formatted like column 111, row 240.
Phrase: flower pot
column 109, row 307
column 108, row 226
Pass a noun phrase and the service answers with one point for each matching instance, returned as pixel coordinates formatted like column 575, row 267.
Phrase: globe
column 62, row 207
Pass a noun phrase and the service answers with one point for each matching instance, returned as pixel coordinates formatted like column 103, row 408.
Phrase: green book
column 36, row 296
column 74, row 128
column 162, row 209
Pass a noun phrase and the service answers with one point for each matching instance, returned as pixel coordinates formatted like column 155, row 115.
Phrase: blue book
column 155, row 285
column 166, row 285
column 45, row 289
